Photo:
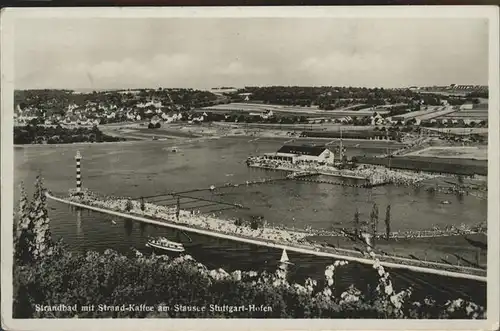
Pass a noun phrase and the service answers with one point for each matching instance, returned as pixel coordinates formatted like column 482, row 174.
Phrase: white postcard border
column 7, row 20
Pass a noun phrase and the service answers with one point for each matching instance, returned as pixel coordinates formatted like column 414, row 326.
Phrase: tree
column 129, row 206
column 256, row 222
column 238, row 222
column 356, row 223
column 39, row 216
column 178, row 208
column 24, row 240
column 374, row 221
column 34, row 121
column 412, row 121
column 388, row 222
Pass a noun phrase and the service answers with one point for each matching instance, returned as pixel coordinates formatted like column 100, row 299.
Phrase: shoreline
column 131, row 139
column 125, row 142
column 375, row 175
column 265, row 235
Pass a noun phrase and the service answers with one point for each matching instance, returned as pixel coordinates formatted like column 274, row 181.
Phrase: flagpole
column 341, row 147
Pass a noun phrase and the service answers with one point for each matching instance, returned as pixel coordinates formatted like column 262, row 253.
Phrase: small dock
column 308, row 176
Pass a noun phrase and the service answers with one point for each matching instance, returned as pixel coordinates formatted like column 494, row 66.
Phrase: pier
column 267, row 243
column 171, row 196
column 307, row 176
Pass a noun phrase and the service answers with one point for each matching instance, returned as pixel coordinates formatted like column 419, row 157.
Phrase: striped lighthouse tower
column 78, row 158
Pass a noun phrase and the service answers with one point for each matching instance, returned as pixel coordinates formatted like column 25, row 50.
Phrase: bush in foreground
column 115, row 280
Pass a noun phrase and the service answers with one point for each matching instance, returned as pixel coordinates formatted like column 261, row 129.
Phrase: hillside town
column 286, row 105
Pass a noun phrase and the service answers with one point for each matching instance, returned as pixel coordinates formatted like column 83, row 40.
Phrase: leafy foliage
column 256, row 222
column 111, row 278
column 40, row 218
column 24, row 232
column 38, row 134
column 128, row 206
column 32, row 237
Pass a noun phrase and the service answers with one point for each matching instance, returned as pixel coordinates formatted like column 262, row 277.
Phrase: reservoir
column 150, row 167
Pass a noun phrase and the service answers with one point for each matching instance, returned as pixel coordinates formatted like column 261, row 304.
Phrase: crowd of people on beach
column 271, row 233
column 202, row 221
column 436, row 231
column 280, row 234
column 375, row 175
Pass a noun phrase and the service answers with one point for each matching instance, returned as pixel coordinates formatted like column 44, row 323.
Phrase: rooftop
column 279, row 154
column 302, row 150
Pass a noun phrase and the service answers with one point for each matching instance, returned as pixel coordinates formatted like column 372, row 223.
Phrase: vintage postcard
column 295, row 168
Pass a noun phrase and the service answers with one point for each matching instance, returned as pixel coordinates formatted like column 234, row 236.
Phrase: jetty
column 313, row 251
column 308, row 176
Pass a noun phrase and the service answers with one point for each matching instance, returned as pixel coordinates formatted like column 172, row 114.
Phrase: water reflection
column 142, row 228
column 416, row 190
column 79, row 232
column 129, row 227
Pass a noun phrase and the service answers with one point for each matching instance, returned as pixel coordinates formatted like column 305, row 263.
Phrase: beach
column 268, row 233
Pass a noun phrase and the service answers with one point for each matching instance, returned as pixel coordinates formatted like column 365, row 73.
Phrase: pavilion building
column 302, row 154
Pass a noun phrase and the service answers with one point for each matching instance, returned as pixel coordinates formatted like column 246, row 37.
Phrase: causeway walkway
column 270, row 244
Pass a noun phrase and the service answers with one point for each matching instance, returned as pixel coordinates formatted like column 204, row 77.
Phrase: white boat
column 166, row 245
column 284, row 258
column 174, row 150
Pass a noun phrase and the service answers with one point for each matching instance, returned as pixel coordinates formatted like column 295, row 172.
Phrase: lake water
column 149, row 168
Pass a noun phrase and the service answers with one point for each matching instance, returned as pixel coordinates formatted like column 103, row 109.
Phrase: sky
column 210, row 52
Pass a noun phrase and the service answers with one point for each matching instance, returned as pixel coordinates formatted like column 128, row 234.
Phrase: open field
column 469, row 113
column 459, row 249
column 289, row 110
column 462, row 152
column 460, row 130
column 468, row 167
column 297, row 127
column 223, row 129
column 476, row 115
